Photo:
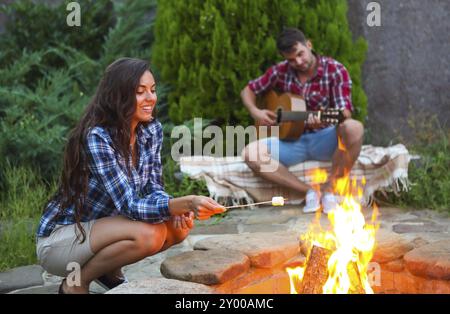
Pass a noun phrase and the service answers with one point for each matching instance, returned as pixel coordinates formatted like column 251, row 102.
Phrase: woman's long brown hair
column 112, row 107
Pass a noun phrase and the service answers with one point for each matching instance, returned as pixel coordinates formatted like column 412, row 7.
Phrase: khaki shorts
column 57, row 252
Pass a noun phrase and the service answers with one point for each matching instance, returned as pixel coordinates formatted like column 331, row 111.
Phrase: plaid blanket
column 231, row 181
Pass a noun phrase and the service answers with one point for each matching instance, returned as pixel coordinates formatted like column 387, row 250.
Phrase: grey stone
column 398, row 77
column 206, row 267
column 429, row 214
column 264, row 249
column 273, row 216
column 243, row 228
column 150, row 266
column 419, row 225
column 418, row 242
column 431, row 260
column 215, row 229
column 48, row 289
column 21, row 277
column 50, row 279
column 161, row 286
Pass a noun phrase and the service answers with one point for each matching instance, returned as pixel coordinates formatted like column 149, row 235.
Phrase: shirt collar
column 146, row 131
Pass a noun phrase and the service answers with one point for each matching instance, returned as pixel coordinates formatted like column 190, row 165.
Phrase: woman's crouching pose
column 111, row 209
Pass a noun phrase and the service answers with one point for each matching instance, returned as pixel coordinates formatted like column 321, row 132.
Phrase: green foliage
column 46, row 80
column 182, row 186
column 21, row 203
column 32, row 25
column 208, row 50
column 429, row 176
column 175, row 183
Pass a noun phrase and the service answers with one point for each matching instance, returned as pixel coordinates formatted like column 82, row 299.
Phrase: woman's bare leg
column 118, row 241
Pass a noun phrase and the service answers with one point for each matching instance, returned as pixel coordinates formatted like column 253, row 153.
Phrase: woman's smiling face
column 145, row 98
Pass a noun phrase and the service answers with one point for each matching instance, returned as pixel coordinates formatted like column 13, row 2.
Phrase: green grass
column 21, row 203
column 429, row 176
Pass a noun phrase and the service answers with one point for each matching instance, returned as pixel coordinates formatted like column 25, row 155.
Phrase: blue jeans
column 319, row 145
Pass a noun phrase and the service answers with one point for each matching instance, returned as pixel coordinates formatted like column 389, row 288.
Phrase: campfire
column 337, row 257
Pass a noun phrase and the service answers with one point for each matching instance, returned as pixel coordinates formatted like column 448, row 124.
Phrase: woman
column 111, row 209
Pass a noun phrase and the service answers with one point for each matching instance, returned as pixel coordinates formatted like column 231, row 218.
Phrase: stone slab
column 390, row 246
column 206, row 267
column 265, row 250
column 161, row 286
column 21, row 277
column 430, row 261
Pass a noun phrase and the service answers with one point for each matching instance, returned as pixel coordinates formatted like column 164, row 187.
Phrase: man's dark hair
column 288, row 38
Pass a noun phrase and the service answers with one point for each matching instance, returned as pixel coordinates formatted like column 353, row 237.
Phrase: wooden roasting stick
column 276, row 201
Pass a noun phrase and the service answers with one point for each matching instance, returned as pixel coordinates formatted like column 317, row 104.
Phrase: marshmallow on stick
column 276, row 201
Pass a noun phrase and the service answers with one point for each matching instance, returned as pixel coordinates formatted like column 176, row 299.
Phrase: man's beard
column 304, row 69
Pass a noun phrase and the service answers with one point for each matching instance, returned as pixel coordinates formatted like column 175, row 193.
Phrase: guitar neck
column 295, row 115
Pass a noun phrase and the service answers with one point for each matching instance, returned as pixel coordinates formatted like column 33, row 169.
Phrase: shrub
column 208, row 50
column 46, row 82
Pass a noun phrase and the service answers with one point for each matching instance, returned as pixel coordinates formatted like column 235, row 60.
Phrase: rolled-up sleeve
column 264, row 82
column 103, row 165
column 341, row 87
column 154, row 189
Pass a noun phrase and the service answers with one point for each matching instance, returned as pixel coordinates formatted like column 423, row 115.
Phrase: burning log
column 356, row 286
column 316, row 272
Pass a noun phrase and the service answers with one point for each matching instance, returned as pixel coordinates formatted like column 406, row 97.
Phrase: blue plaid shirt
column 111, row 191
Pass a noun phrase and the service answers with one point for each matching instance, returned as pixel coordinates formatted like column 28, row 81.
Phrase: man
column 324, row 83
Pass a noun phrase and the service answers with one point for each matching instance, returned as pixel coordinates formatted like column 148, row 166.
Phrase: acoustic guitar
column 291, row 113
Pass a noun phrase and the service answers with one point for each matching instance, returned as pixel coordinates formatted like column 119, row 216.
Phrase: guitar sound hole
column 279, row 113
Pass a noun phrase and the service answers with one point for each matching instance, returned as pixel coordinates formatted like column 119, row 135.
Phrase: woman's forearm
column 181, row 205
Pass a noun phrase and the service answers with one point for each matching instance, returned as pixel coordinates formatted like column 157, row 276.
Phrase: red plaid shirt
column 329, row 88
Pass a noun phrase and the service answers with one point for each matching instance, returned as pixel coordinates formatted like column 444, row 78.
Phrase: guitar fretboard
column 295, row 115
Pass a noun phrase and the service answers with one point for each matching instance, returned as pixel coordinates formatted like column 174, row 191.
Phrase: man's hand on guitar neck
column 314, row 122
column 264, row 117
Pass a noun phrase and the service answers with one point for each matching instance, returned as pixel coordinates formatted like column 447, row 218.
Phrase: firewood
column 355, row 279
column 316, row 272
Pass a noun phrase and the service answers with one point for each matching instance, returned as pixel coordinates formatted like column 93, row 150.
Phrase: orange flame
column 350, row 239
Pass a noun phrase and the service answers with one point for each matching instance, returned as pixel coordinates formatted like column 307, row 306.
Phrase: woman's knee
column 150, row 238
column 179, row 235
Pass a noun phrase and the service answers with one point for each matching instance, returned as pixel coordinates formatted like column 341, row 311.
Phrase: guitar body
column 292, row 113
column 289, row 130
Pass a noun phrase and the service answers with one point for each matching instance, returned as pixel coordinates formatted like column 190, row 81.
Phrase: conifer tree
column 208, row 50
